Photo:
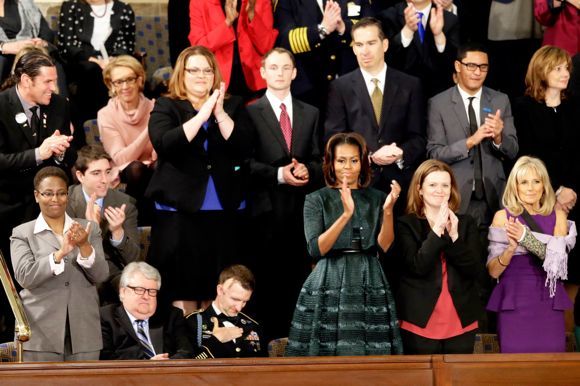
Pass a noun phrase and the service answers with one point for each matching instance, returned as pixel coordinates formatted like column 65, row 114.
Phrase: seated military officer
column 222, row 330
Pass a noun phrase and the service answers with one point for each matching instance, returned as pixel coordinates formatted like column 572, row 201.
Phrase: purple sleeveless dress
column 528, row 319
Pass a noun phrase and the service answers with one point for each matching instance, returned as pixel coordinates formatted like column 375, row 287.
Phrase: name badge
column 353, row 9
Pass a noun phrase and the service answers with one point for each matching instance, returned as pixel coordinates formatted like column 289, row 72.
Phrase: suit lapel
column 267, row 113
column 49, row 238
column 156, row 335
column 18, row 109
column 390, row 92
column 486, row 106
column 459, row 109
column 124, row 321
column 297, row 122
column 362, row 94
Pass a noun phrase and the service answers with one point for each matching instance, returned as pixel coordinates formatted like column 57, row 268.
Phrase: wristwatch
column 322, row 32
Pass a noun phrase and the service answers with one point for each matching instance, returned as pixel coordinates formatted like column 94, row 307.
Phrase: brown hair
column 239, row 273
column 176, row 87
column 49, row 171
column 354, row 139
column 366, row 22
column 88, row 154
column 543, row 61
column 28, row 61
column 415, row 204
column 123, row 61
column 278, row 50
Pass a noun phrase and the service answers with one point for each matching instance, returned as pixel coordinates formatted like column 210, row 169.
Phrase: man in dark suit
column 382, row 104
column 285, row 166
column 113, row 210
column 222, row 330
column 131, row 330
column 29, row 141
column 424, row 40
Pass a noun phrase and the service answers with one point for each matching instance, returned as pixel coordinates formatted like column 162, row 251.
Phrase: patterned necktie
column 35, row 124
column 420, row 27
column 286, row 126
column 478, row 169
column 147, row 348
column 377, row 100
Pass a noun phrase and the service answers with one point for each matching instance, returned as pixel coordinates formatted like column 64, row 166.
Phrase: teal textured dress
column 345, row 306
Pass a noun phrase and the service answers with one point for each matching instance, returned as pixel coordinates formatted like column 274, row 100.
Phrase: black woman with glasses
column 136, row 329
column 471, row 128
column 58, row 261
column 123, row 129
column 198, row 187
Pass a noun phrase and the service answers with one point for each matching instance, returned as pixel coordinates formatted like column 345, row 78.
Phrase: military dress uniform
column 208, row 346
column 320, row 58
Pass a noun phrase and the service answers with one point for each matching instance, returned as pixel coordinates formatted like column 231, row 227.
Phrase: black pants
column 416, row 344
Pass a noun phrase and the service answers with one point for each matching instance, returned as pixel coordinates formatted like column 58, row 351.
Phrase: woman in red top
column 239, row 33
column 441, row 258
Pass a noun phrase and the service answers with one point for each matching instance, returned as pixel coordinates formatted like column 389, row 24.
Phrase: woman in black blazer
column 198, row 186
column 440, row 257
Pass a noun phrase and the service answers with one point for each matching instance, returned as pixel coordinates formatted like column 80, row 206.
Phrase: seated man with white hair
column 131, row 330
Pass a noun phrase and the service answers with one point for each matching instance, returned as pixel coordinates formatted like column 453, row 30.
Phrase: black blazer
column 422, row 60
column 270, row 152
column 183, row 168
column 121, row 342
column 402, row 119
column 17, row 150
column 75, row 30
column 418, row 249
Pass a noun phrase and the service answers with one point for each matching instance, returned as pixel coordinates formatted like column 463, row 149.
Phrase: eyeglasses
column 196, row 71
column 473, row 66
column 50, row 194
column 140, row 291
column 128, row 81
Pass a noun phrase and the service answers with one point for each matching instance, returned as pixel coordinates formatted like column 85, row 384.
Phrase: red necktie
column 286, row 126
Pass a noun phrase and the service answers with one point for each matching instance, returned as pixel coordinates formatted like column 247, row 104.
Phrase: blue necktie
column 421, row 29
column 147, row 349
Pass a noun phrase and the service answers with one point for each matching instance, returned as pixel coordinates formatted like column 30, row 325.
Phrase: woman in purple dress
column 528, row 252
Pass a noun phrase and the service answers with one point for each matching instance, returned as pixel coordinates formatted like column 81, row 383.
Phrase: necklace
column 94, row 13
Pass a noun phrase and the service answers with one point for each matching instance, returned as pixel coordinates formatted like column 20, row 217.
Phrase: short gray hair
column 150, row 273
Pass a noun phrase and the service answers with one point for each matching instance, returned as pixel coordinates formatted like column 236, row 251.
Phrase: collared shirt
column 41, row 226
column 476, row 103
column 145, row 328
column 218, row 313
column 405, row 41
column 26, row 106
column 275, row 103
column 381, row 76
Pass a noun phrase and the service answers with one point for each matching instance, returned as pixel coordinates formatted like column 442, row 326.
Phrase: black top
column 10, row 22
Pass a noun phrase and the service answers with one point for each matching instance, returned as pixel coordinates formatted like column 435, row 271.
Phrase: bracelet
column 501, row 262
column 218, row 122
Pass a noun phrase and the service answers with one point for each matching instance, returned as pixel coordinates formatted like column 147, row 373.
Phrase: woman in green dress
column 345, row 306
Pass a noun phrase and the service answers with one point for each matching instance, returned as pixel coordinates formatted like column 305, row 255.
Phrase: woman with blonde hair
column 198, row 186
column 440, row 255
column 123, row 128
column 529, row 243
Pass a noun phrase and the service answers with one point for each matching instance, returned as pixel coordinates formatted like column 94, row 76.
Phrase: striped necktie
column 147, row 348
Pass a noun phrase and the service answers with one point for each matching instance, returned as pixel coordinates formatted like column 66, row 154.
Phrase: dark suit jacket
column 419, row 250
column 270, row 152
column 17, row 153
column 121, row 342
column 183, row 168
column 128, row 250
column 422, row 59
column 76, row 26
column 402, row 119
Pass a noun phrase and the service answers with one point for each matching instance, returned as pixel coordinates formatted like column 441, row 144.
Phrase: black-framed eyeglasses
column 140, row 291
column 473, row 66
column 50, row 194
column 208, row 71
column 128, row 81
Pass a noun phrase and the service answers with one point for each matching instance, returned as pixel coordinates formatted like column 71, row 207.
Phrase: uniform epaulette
column 247, row 317
column 298, row 38
column 194, row 312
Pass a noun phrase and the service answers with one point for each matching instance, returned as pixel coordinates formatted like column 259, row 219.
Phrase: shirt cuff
column 37, row 156
column 441, row 47
column 281, row 176
column 86, row 262
column 401, row 164
column 55, row 268
column 116, row 243
column 495, row 145
column 405, row 42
